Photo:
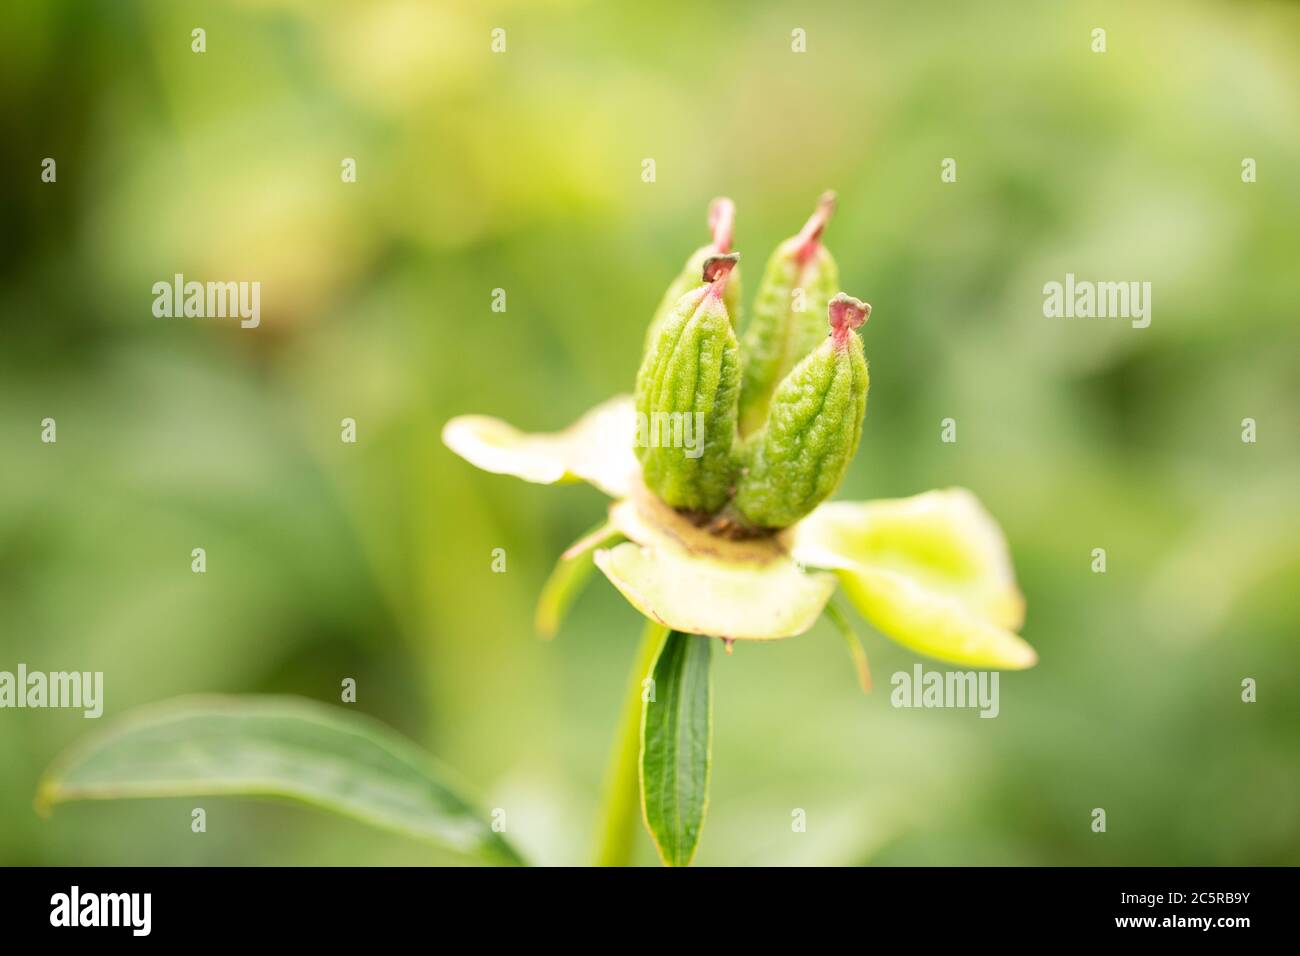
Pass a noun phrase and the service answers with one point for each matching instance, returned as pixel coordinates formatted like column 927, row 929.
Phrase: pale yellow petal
column 932, row 572
column 597, row 448
column 694, row 581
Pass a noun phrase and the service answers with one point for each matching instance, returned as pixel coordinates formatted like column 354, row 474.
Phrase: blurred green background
column 522, row 171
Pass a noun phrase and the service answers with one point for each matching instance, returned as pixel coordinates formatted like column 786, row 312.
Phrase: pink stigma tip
column 717, row 269
column 810, row 236
column 722, row 222
column 847, row 314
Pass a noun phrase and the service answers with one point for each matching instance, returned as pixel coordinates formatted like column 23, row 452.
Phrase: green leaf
column 677, row 746
column 567, row 579
column 275, row 747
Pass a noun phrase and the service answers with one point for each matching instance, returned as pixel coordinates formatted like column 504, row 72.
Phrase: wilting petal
column 931, row 571
column 597, row 448
column 693, row 581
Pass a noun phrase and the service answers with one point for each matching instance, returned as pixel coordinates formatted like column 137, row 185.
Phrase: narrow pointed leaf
column 853, row 641
column 276, row 747
column 676, row 747
column 570, row 574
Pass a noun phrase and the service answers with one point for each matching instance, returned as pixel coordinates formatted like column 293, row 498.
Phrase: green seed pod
column 722, row 221
column 798, row 282
column 686, row 394
column 799, row 458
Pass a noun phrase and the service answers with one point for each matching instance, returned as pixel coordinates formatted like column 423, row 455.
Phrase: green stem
column 622, row 804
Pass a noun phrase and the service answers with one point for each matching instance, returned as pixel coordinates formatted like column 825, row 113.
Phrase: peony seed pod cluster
column 776, row 416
